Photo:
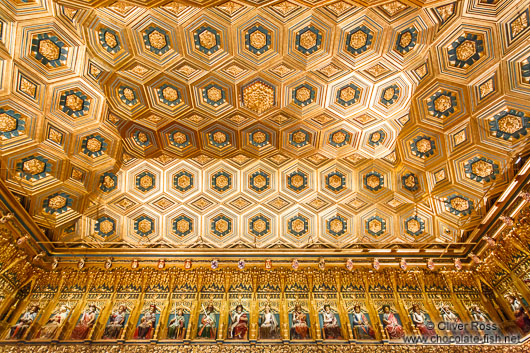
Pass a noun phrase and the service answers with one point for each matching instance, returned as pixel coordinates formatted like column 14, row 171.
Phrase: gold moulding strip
column 460, row 250
column 241, row 348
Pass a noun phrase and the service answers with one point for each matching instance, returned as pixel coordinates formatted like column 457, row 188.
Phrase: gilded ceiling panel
column 285, row 124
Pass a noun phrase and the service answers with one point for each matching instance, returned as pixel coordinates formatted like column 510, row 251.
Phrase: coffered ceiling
column 261, row 124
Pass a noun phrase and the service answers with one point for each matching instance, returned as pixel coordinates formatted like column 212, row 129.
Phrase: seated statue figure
column 116, row 323
column 19, row 329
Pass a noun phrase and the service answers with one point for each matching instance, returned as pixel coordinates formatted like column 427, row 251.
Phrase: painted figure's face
column 34, row 309
column 122, row 308
column 153, row 309
column 239, row 309
column 357, row 309
column 63, row 308
column 180, row 312
column 267, row 309
column 210, row 309
column 386, row 309
column 92, row 309
column 297, row 308
column 328, row 309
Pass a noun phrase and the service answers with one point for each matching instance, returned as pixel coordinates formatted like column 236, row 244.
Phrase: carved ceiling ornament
column 377, row 70
column 373, row 181
column 413, row 225
column 336, row 225
column 358, row 39
column 348, row 93
column 55, row 136
column 260, row 181
column 482, row 168
column 259, row 225
column 282, row 70
column 208, row 39
column 106, row 226
column 219, row 137
column 298, row 225
column 183, row 226
column 465, row 50
column 394, row 7
column 142, row 137
column 258, row 39
column 57, row 202
column 139, row 70
column 110, row 39
column 28, row 87
column 259, row 137
column 303, row 94
column 339, row 7
column 389, row 93
column 410, row 181
column 424, row 145
column 49, row 50
column 510, row 124
column 299, row 136
column 330, row 70
column 443, row 103
column 335, row 181
column 146, row 181
column 74, row 102
column 297, row 180
column 460, row 204
column 93, row 144
column 446, row 11
column 157, row 39
column 221, row 225
column 486, row 88
column 170, row 94
column 108, row 182
column 34, row 166
column 222, row 181
column 128, row 93
column 285, row 7
column 339, row 137
column 180, row 138
column 78, row 175
column 406, row 39
column 519, row 24
column 258, row 96
column 214, row 94
column 95, row 71
column 7, row 123
column 375, row 226
column 308, row 39
column 183, row 181
column 145, row 226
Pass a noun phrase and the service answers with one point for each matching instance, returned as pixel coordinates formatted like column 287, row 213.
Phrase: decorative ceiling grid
column 267, row 124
